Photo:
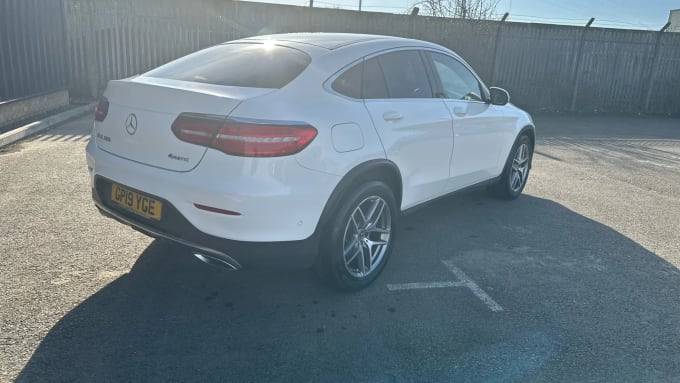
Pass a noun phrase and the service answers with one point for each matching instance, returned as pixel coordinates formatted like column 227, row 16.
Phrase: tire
column 518, row 164
column 351, row 253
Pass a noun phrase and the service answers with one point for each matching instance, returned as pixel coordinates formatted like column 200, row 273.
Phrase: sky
column 626, row 14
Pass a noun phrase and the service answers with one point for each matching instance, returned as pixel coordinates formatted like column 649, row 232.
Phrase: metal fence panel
column 536, row 64
column 84, row 43
column 32, row 48
column 664, row 82
column 613, row 69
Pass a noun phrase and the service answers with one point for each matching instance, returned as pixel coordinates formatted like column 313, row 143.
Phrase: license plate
column 136, row 202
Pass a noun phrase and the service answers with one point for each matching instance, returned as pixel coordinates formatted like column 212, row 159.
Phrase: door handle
column 459, row 111
column 392, row 116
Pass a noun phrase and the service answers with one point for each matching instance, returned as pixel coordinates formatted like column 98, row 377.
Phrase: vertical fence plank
column 4, row 70
column 117, row 71
column 60, row 37
column 105, row 51
column 50, row 32
column 137, row 38
column 144, row 26
column 97, row 48
column 23, row 60
column 650, row 73
column 66, row 48
column 36, row 48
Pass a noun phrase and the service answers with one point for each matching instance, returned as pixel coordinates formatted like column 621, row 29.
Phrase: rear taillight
column 101, row 109
column 239, row 138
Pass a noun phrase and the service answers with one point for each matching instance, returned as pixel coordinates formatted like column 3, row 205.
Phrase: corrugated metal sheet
column 32, row 48
column 117, row 39
column 613, row 68
column 536, row 64
column 665, row 79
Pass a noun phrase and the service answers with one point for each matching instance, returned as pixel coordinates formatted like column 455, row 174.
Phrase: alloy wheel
column 520, row 168
column 367, row 235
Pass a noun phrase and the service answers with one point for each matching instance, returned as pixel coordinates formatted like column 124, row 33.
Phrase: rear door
column 413, row 125
column 480, row 130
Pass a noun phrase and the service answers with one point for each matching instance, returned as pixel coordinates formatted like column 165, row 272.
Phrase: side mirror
column 498, row 96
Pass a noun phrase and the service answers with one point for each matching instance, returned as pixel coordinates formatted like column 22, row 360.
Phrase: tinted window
column 457, row 81
column 374, row 81
column 405, row 75
column 248, row 65
column 349, row 83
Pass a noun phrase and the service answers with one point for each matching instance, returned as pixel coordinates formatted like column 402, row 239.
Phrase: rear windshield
column 247, row 65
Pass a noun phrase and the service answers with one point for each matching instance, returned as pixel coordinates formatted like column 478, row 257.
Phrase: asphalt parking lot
column 576, row 281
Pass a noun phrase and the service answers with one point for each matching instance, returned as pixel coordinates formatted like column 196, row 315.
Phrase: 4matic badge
column 178, row 158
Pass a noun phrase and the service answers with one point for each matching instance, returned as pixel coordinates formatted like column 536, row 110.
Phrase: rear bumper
column 280, row 202
column 277, row 198
column 175, row 228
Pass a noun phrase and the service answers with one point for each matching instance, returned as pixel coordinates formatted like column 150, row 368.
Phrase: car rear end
column 195, row 152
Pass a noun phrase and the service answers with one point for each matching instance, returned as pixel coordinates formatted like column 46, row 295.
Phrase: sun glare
column 268, row 44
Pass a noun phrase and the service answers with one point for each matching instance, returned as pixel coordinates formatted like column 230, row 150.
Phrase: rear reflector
column 101, row 109
column 216, row 210
column 249, row 139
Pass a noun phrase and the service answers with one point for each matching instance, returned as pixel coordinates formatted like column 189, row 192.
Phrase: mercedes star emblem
column 131, row 124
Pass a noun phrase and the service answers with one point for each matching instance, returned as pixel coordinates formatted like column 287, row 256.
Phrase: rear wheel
column 359, row 238
column 516, row 170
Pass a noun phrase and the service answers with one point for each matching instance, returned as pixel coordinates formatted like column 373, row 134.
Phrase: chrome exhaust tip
column 223, row 261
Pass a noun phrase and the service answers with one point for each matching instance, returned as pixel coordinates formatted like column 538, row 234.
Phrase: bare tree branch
column 460, row 9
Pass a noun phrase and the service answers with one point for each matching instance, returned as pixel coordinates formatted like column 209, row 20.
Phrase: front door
column 480, row 130
column 413, row 125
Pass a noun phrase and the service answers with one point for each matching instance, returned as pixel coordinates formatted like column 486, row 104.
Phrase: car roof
column 332, row 51
column 318, row 44
column 328, row 41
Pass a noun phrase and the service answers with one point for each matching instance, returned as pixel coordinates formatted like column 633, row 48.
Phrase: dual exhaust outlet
column 219, row 260
column 209, row 256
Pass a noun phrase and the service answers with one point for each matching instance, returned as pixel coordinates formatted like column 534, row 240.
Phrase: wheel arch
column 374, row 170
column 530, row 131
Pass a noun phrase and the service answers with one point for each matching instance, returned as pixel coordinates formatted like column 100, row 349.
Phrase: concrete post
column 495, row 48
column 577, row 69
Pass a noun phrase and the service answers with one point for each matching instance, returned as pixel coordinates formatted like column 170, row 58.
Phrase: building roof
column 674, row 19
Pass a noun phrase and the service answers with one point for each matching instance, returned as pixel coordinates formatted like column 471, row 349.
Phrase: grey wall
column 545, row 67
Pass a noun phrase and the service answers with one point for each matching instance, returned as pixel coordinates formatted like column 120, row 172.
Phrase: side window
column 457, row 81
column 349, row 83
column 374, row 80
column 405, row 75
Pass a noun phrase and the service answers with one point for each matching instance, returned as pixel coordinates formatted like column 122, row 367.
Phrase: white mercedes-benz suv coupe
column 301, row 147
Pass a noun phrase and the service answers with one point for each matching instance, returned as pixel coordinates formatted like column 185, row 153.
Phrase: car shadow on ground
column 581, row 302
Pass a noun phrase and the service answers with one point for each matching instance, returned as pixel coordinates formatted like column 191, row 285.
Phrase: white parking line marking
column 481, row 294
column 463, row 281
column 424, row 285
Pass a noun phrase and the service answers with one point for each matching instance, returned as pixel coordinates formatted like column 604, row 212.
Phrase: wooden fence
column 545, row 67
